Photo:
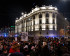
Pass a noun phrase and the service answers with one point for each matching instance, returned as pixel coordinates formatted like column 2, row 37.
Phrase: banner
column 24, row 36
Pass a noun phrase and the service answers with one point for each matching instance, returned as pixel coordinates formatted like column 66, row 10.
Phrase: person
column 32, row 53
column 4, row 53
column 1, row 48
column 45, row 50
column 14, row 48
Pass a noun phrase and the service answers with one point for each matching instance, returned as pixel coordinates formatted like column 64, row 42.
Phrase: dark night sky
column 10, row 10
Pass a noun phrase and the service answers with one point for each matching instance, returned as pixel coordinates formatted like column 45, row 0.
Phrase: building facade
column 41, row 21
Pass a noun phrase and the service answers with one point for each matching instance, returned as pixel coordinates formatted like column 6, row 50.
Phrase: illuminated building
column 41, row 21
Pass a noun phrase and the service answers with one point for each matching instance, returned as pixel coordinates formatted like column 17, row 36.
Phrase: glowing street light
column 65, row 18
column 22, row 13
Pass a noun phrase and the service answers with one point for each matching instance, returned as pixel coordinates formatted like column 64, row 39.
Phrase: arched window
column 47, row 15
column 40, row 15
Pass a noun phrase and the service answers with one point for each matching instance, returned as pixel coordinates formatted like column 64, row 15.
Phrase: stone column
column 43, row 18
column 50, row 21
column 25, row 25
column 55, row 21
column 22, row 25
column 50, row 18
column 16, row 29
column 43, row 21
column 55, row 18
column 37, row 22
column 37, row 19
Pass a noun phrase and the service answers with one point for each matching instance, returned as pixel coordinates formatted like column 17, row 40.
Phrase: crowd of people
column 50, row 47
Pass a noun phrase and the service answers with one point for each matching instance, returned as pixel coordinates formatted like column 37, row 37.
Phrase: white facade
column 41, row 21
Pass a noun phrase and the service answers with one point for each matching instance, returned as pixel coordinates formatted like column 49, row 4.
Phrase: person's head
column 15, row 46
column 44, row 43
column 4, row 51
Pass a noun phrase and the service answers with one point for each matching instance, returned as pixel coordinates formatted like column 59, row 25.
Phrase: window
column 47, row 27
column 40, row 28
column 40, row 22
column 53, row 15
column 33, row 28
column 47, row 15
column 24, row 21
column 47, row 21
column 40, row 15
column 26, row 25
column 53, row 21
column 53, row 27
column 33, row 17
column 34, row 22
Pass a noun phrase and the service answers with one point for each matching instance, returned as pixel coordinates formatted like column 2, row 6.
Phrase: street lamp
column 22, row 13
column 65, row 18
